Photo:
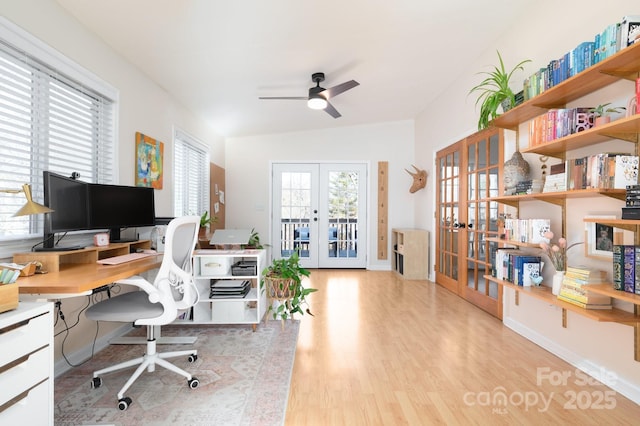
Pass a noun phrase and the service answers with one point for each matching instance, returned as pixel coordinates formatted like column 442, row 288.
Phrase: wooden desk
column 80, row 278
column 76, row 273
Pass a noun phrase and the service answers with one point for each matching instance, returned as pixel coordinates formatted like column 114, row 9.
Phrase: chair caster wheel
column 192, row 358
column 124, row 403
column 193, row 383
column 96, row 382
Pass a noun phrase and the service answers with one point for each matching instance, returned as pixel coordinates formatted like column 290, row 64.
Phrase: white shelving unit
column 211, row 265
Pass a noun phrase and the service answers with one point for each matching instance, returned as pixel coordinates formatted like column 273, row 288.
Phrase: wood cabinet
column 410, row 253
column 26, row 365
column 229, row 266
column 623, row 65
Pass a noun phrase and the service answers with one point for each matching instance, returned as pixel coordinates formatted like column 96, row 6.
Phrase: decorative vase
column 515, row 170
column 558, row 277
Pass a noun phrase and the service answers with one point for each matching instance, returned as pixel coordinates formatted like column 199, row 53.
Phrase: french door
column 319, row 211
column 467, row 221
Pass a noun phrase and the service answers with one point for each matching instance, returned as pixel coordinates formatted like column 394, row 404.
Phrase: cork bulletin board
column 217, row 195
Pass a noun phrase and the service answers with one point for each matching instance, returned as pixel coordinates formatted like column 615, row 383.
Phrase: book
column 526, row 269
column 618, row 267
column 575, row 279
column 537, row 229
column 629, row 275
column 628, row 28
column 582, row 304
column 637, row 270
column 626, row 171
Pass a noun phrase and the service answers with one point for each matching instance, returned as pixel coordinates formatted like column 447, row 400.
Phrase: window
column 48, row 121
column 190, row 176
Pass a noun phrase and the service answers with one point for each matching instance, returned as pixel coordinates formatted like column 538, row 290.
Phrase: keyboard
column 117, row 260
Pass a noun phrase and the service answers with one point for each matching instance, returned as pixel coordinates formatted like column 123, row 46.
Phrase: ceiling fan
column 319, row 96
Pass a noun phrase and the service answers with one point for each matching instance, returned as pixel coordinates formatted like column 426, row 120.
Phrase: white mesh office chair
column 156, row 304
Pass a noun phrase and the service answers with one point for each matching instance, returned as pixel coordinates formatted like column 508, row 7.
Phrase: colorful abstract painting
column 149, row 157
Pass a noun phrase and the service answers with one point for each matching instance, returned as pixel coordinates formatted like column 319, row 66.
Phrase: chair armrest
column 143, row 284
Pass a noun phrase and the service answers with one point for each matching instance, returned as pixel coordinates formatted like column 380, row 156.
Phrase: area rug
column 244, row 380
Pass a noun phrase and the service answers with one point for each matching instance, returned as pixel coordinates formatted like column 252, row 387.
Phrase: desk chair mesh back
column 155, row 304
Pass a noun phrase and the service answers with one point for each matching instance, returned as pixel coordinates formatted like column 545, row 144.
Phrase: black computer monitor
column 69, row 198
column 115, row 207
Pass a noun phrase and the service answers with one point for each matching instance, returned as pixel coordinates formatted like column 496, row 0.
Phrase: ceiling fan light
column 317, row 102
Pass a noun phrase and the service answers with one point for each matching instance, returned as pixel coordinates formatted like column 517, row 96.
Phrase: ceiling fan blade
column 297, row 98
column 341, row 88
column 332, row 111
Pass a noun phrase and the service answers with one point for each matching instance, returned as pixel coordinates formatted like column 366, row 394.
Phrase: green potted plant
column 283, row 283
column 254, row 241
column 494, row 91
column 602, row 113
column 205, row 222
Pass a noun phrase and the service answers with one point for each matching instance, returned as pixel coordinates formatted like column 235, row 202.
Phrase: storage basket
column 279, row 288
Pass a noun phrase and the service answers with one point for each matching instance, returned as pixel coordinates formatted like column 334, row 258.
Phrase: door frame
column 319, row 239
column 460, row 242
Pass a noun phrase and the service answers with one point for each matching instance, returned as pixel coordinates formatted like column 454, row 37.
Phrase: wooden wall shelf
column 623, row 65
column 601, row 315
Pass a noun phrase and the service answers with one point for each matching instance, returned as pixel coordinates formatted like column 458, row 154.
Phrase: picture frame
column 600, row 237
column 149, row 161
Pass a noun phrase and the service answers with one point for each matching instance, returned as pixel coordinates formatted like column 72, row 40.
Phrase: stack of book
column 531, row 186
column 626, row 268
column 230, row 289
column 526, row 230
column 557, row 179
column 516, row 266
column 631, row 210
column 572, row 290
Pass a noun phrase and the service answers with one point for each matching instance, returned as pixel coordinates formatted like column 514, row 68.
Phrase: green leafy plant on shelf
column 283, row 282
column 206, row 220
column 494, row 91
column 602, row 110
column 254, row 241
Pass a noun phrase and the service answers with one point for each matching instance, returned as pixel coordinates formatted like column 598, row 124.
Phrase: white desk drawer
column 32, row 409
column 25, row 374
column 24, row 338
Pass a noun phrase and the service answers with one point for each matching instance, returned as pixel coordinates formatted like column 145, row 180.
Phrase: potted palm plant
column 205, row 222
column 283, row 283
column 602, row 113
column 494, row 91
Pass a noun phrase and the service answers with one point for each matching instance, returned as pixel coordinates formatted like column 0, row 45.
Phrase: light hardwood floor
column 384, row 351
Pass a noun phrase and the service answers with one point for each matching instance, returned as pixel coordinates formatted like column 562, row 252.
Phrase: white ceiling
column 217, row 56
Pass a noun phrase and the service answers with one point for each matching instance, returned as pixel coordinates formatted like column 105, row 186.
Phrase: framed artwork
column 149, row 161
column 599, row 237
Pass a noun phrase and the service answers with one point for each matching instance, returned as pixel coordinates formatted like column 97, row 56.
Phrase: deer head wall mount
column 419, row 179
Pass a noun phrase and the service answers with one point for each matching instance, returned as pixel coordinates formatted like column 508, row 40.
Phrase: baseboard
column 61, row 366
column 620, row 384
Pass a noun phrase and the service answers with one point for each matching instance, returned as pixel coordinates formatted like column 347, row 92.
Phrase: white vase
column 557, row 282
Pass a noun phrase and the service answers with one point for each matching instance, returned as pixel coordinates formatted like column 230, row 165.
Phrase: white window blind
column 48, row 121
column 190, row 176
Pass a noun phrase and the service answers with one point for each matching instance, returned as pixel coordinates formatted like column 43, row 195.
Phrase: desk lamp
column 31, row 207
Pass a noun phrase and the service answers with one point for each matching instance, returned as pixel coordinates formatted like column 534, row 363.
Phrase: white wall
column 547, row 32
column 248, row 163
column 143, row 106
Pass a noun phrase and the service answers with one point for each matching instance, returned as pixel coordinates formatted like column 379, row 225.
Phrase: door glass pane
column 471, row 186
column 493, row 182
column 482, row 154
column 494, row 149
column 343, row 214
column 295, row 213
column 471, row 161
